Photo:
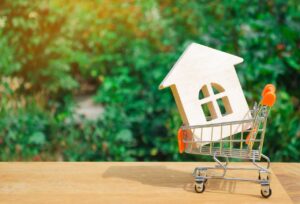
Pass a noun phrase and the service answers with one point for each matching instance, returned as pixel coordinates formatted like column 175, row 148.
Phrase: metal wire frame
column 234, row 145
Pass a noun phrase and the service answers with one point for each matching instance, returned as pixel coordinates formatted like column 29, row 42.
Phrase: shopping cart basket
column 247, row 144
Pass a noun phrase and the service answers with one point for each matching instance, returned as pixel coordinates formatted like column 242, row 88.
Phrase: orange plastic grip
column 268, row 88
column 268, row 95
column 180, row 135
column 268, row 99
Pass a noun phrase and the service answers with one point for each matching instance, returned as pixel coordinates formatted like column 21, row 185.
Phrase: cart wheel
column 266, row 193
column 199, row 187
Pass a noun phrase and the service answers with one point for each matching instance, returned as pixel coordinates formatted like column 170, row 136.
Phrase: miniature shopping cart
column 247, row 144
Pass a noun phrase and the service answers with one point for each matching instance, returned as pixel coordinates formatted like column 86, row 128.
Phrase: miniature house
column 207, row 90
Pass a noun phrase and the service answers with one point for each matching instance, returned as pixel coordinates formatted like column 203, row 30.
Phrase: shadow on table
column 150, row 175
column 164, row 177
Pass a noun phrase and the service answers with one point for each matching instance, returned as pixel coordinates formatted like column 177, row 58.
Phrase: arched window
column 214, row 102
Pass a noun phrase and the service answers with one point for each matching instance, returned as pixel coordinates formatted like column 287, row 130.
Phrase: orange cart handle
column 180, row 136
column 268, row 88
column 268, row 95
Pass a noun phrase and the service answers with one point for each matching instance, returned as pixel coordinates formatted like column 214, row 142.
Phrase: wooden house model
column 207, row 90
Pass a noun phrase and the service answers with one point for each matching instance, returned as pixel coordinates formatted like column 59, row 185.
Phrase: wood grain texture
column 142, row 182
column 289, row 176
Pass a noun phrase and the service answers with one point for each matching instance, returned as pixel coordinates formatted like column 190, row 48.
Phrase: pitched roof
column 199, row 53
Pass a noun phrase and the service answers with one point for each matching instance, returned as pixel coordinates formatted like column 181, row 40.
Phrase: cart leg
column 220, row 165
column 263, row 172
column 260, row 167
column 200, row 171
column 264, row 175
column 224, row 165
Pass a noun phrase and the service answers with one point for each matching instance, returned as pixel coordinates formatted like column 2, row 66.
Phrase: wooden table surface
column 136, row 182
column 289, row 176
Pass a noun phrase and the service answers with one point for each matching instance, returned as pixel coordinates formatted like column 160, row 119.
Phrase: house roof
column 200, row 54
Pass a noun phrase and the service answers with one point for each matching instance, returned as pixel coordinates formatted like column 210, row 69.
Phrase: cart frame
column 233, row 146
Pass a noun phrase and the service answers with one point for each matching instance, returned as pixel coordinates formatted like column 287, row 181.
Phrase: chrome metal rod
column 221, row 165
column 260, row 167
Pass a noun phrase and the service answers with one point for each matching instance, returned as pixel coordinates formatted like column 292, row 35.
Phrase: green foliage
column 36, row 46
column 22, row 134
column 50, row 50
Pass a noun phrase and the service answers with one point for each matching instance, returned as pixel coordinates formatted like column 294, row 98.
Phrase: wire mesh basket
column 246, row 143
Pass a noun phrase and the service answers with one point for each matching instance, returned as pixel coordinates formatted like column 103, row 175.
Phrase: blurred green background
column 109, row 57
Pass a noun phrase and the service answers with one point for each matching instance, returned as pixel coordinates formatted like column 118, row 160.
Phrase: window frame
column 209, row 98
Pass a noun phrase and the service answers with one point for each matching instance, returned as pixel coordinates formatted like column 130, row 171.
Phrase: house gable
column 197, row 59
